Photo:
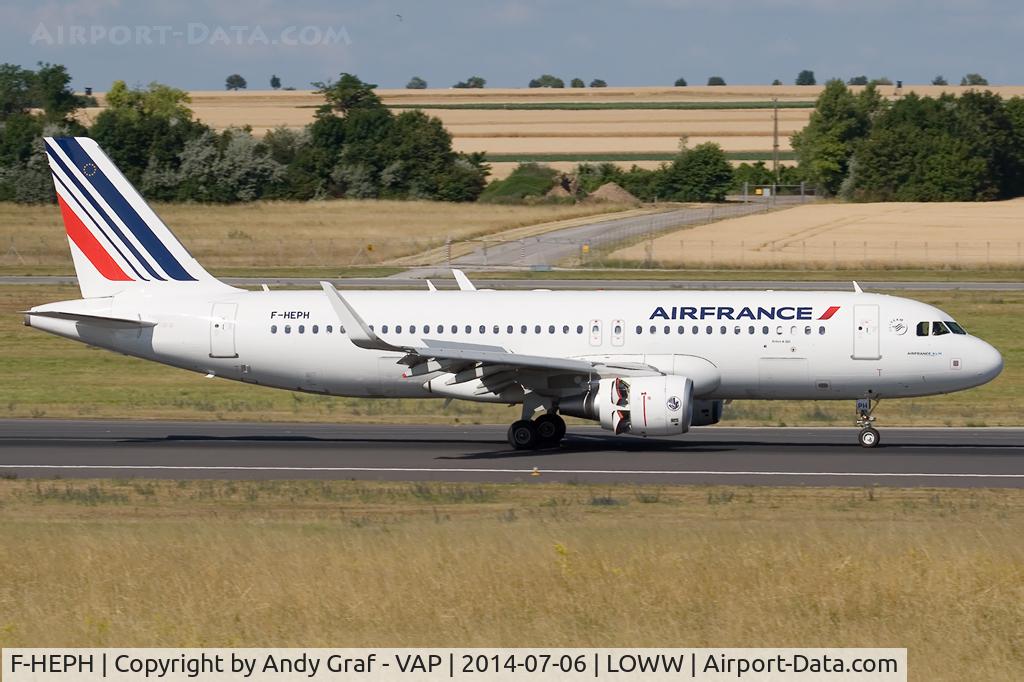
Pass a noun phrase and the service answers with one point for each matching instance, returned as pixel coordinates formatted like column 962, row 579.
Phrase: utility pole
column 775, row 138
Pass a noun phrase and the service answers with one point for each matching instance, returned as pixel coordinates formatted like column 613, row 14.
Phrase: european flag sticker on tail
column 115, row 237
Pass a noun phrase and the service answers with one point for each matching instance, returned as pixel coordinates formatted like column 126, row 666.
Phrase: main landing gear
column 868, row 436
column 545, row 431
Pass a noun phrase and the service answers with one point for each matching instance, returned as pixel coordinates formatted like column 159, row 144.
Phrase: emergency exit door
column 866, row 342
column 222, row 330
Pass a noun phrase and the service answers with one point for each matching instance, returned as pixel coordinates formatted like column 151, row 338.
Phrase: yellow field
column 340, row 233
column 622, row 131
column 850, row 235
column 282, row 563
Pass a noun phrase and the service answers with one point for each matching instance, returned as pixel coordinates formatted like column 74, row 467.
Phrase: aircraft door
column 618, row 332
column 595, row 333
column 865, row 333
column 222, row 330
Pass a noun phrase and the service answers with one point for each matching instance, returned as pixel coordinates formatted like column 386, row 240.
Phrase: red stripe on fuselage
column 832, row 310
column 90, row 246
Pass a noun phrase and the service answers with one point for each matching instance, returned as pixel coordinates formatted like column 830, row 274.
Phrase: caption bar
column 368, row 665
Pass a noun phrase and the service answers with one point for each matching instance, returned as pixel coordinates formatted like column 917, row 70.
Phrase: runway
column 446, row 282
column 936, row 457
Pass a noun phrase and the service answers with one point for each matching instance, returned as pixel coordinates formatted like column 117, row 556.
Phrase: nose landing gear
column 868, row 436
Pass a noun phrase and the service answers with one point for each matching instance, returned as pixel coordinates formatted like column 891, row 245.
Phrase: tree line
column 355, row 147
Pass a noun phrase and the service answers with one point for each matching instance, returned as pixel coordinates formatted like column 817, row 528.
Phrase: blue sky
column 194, row 44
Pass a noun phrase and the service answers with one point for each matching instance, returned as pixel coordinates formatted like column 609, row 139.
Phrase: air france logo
column 724, row 312
column 673, row 403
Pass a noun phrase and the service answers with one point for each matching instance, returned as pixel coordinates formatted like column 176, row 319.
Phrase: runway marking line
column 161, row 467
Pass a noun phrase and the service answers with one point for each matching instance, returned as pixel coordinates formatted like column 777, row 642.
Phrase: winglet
column 464, row 283
column 358, row 331
column 856, row 288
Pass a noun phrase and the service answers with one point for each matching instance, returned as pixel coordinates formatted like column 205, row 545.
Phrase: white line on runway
column 413, row 470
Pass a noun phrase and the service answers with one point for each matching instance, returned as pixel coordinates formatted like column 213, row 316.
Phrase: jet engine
column 643, row 406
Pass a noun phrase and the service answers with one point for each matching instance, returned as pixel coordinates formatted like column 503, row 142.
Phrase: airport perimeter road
column 574, row 284
column 758, row 456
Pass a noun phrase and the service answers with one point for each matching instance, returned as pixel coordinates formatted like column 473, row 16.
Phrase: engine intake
column 643, row 406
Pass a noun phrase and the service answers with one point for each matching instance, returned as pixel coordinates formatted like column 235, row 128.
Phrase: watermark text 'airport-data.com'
column 191, row 34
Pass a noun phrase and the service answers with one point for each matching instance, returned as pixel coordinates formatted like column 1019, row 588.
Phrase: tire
column 550, row 429
column 522, row 435
column 869, row 438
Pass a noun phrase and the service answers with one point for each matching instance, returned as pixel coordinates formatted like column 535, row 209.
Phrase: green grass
column 46, row 376
column 627, row 156
column 528, row 180
column 782, row 273
column 574, row 106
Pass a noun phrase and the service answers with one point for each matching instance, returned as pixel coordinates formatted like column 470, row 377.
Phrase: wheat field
column 827, row 235
column 279, row 563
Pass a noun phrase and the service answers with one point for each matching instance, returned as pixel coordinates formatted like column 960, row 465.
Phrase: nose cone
column 986, row 362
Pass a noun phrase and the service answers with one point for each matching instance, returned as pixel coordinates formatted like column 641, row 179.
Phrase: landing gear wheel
column 550, row 429
column 522, row 435
column 869, row 437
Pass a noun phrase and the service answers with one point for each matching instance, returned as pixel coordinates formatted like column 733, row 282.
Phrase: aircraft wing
column 453, row 356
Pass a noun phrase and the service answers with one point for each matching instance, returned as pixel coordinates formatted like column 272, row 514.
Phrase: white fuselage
column 759, row 345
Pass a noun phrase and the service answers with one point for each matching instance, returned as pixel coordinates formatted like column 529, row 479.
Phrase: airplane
column 643, row 363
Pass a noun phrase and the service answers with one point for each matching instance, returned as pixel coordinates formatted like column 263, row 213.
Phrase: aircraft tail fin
column 117, row 241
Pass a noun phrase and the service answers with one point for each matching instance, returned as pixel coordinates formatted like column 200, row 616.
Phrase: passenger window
column 273, row 329
column 579, row 329
column 522, row 330
column 316, row 329
column 455, row 329
column 778, row 330
column 724, row 329
column 922, row 328
column 302, row 329
column 821, row 330
column 710, row 329
column 398, row 329
column 287, row 329
column 536, row 329
column 938, row 329
column 383, row 330
column 696, row 329
column 496, row 329
column 509, row 329
column 565, row 329
column 469, row 329
column 639, row 329
column 668, row 329
column 750, row 329
column 764, row 329
column 341, row 330
column 736, row 329
column 654, row 330
column 329, row 328
column 681, row 330
column 807, row 330
column 551, row 329
column 412, row 329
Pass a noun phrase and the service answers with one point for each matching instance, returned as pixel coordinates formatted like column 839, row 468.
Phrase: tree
column 547, row 81
column 598, row 83
column 680, row 82
column 347, row 94
column 577, row 83
column 416, row 83
column 884, row 80
column 699, row 174
column 471, row 82
column 840, row 119
column 234, row 82
column 716, row 80
column 776, row 82
column 275, row 82
column 973, row 79
column 806, row 77
column 939, row 80
column 858, row 80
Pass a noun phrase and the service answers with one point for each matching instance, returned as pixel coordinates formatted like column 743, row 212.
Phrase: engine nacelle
column 706, row 412
column 645, row 406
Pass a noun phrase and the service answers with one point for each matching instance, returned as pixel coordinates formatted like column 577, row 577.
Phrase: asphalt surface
column 574, row 284
column 937, row 457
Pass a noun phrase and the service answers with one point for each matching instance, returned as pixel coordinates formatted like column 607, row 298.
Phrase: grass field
column 45, row 376
column 203, row 563
column 830, row 235
column 323, row 234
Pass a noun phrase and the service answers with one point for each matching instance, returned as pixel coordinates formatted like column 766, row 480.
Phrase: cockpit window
column 939, row 328
column 922, row 328
column 955, row 328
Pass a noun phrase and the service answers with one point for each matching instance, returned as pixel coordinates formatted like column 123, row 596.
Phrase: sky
column 195, row 44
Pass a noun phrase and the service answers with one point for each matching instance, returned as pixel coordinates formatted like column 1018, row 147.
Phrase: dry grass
column 137, row 563
column 46, row 376
column 317, row 233
column 850, row 235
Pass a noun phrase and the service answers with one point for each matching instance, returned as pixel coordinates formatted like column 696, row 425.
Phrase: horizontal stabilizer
column 98, row 320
